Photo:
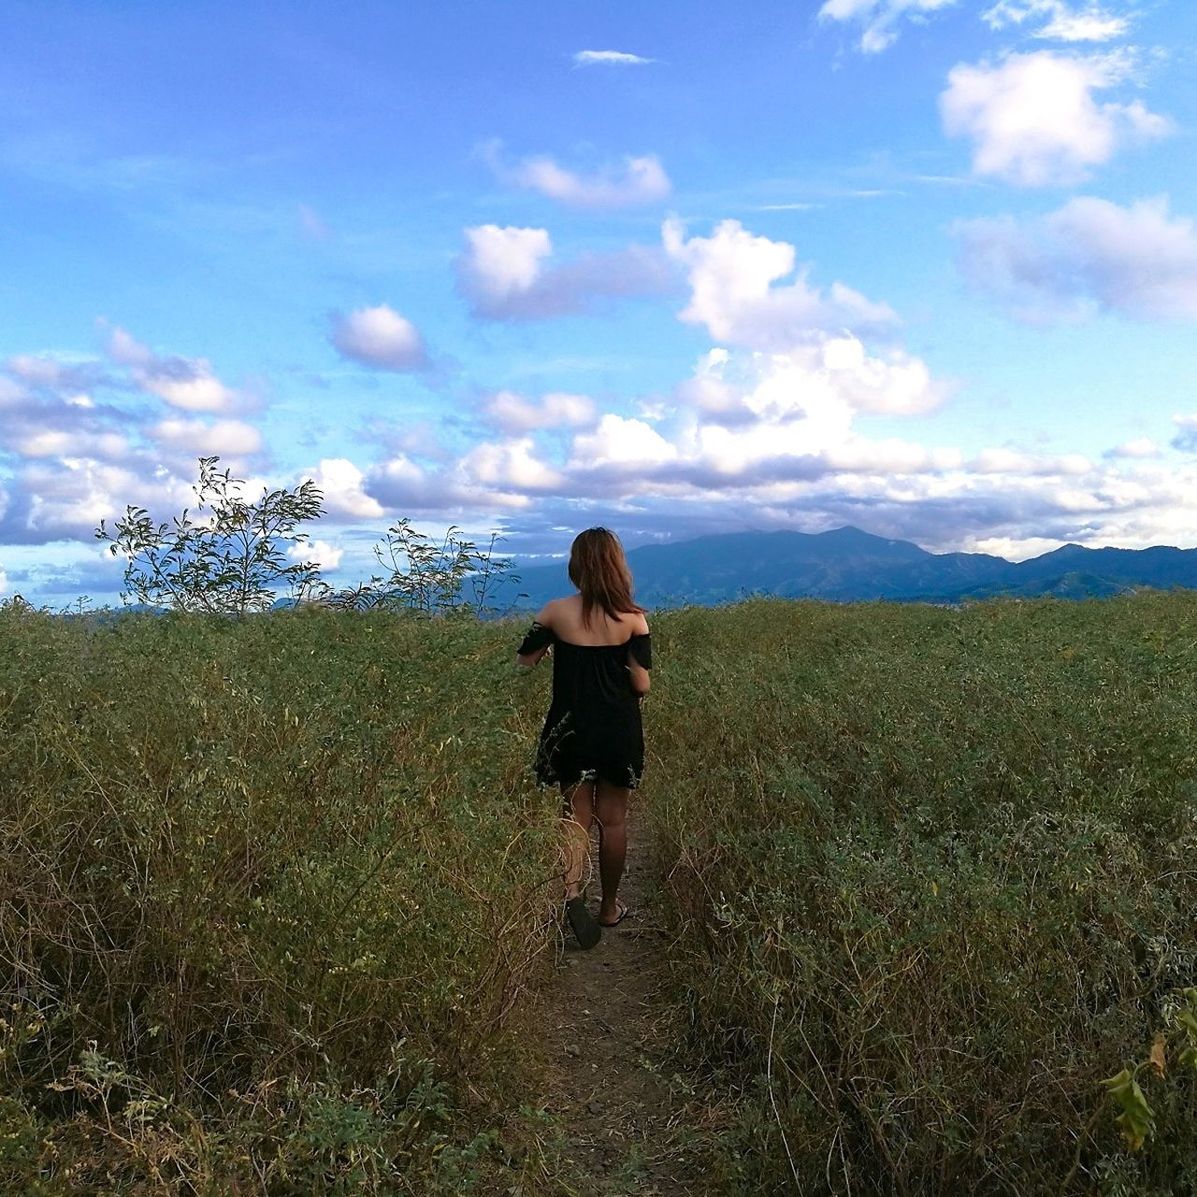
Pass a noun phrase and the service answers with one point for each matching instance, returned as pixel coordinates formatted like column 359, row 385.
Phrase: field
column 279, row 902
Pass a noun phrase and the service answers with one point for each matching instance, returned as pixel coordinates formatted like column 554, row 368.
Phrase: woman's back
column 565, row 615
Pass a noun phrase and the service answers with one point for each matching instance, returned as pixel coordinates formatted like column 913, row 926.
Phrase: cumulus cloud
column 879, row 19
column 198, row 438
column 513, row 413
column 1138, row 448
column 57, row 442
column 321, row 553
column 64, row 498
column 621, row 441
column 732, row 275
column 1089, row 256
column 1061, row 20
column 511, row 465
column 185, row 382
column 404, row 485
column 635, row 180
column 505, row 274
column 379, row 337
column 609, row 58
column 1033, row 119
column 77, row 458
column 52, row 373
column 343, row 487
column 48, row 418
column 778, row 420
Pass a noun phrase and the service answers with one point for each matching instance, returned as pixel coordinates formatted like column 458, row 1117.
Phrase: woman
column 592, row 745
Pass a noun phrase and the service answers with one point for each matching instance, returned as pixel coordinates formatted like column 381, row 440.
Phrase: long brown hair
column 598, row 568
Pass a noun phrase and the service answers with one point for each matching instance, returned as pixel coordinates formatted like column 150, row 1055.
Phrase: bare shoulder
column 555, row 612
column 639, row 623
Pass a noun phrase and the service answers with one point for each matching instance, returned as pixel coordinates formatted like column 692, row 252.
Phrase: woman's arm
column 526, row 661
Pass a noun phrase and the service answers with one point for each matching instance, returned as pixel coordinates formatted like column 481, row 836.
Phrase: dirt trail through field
column 605, row 1035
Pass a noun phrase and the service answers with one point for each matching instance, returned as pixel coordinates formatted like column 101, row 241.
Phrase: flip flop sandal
column 623, row 914
column 582, row 923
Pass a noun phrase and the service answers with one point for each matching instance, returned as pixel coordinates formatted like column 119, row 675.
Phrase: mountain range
column 848, row 565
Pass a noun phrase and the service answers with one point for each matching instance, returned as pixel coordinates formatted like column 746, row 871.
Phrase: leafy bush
column 231, row 560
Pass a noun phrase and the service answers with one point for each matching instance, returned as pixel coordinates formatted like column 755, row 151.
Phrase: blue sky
column 928, row 267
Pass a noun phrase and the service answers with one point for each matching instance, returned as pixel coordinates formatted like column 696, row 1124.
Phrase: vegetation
column 280, row 898
column 421, row 575
column 275, row 890
column 233, row 559
column 933, row 876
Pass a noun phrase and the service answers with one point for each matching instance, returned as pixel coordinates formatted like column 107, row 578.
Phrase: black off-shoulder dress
column 593, row 729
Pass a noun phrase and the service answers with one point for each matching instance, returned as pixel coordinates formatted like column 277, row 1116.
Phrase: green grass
column 278, row 898
column 945, row 864
column 275, row 892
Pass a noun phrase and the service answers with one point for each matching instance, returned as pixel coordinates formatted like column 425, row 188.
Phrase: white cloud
column 1088, row 256
column 125, row 349
column 184, row 382
column 504, row 261
column 379, row 337
column 1033, row 119
column 879, row 18
column 1062, row 21
column 201, row 439
column 505, row 274
column 1140, row 447
column 37, row 369
column 3, row 581
column 484, row 480
column 342, row 485
column 65, row 498
column 1059, row 20
column 509, row 465
column 53, row 442
column 318, row 552
column 620, row 441
column 732, row 275
column 609, row 58
column 514, row 413
column 636, row 180
column 202, row 391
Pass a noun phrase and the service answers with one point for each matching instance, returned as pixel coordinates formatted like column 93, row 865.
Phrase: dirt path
column 604, row 1037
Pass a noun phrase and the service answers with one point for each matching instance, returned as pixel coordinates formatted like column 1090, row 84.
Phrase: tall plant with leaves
column 233, row 559
column 431, row 577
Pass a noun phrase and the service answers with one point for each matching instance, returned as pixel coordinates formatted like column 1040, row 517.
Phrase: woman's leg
column 611, row 811
column 578, row 802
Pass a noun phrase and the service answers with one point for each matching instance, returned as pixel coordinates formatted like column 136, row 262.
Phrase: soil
column 606, row 1039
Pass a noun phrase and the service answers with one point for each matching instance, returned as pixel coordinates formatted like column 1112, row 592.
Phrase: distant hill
column 848, row 565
